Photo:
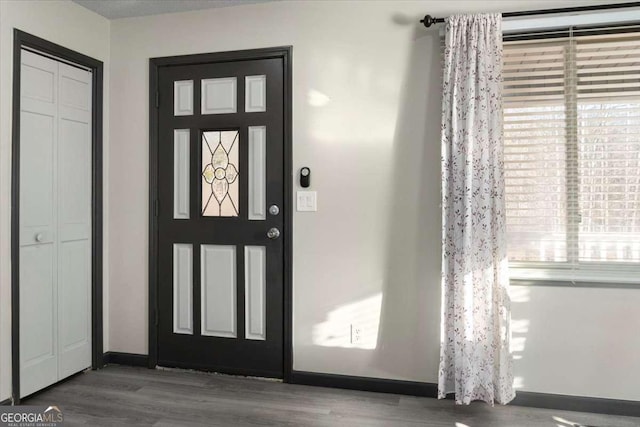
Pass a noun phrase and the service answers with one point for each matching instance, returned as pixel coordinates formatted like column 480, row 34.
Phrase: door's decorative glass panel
column 255, row 98
column 218, row 290
column 255, row 271
column 183, row 288
column 220, row 183
column 183, row 98
column 181, row 168
column 257, row 172
column 219, row 96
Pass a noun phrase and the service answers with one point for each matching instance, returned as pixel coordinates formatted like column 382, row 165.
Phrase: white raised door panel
column 183, row 288
column 75, row 88
column 181, row 173
column 38, row 314
column 38, row 83
column 255, row 94
column 74, row 307
column 37, row 180
column 74, row 189
column 218, row 290
column 55, row 221
column 183, row 98
column 255, row 273
column 219, row 96
column 257, row 172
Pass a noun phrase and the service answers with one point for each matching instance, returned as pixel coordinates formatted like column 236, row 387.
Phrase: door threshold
column 212, row 372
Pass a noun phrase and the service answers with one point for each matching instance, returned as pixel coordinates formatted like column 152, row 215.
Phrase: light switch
column 307, row 201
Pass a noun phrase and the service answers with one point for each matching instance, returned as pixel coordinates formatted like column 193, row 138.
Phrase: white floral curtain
column 475, row 362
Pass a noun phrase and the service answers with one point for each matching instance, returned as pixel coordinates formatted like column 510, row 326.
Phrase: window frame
column 572, row 272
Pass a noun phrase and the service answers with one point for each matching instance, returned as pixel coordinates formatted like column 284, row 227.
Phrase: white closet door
column 74, row 220
column 55, row 250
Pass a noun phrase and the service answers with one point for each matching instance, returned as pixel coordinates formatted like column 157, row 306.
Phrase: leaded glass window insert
column 220, row 189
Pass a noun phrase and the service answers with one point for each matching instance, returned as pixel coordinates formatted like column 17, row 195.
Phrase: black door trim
column 155, row 64
column 25, row 40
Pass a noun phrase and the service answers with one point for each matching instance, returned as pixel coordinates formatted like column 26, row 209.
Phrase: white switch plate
column 307, row 201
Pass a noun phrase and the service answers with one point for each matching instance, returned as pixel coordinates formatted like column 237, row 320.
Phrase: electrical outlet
column 356, row 334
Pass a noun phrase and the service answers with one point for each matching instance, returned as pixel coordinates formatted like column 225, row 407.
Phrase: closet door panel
column 74, row 220
column 38, row 270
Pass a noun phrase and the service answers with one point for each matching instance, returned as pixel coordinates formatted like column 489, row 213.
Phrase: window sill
column 626, row 276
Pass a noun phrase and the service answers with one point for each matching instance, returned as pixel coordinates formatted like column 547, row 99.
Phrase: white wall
column 577, row 341
column 366, row 120
column 71, row 26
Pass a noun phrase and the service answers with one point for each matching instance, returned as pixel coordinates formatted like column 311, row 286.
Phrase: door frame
column 285, row 53
column 22, row 40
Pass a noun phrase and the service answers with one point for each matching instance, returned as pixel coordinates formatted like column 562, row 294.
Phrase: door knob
column 273, row 233
column 39, row 237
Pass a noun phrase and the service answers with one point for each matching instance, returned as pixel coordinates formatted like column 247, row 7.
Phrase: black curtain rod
column 429, row 20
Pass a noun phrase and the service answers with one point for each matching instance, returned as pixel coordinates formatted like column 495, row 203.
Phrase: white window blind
column 572, row 155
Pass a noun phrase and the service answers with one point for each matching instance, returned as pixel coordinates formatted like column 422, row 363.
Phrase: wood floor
column 119, row 395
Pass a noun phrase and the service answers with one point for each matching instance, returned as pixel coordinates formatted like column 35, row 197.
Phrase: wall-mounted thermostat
column 305, row 177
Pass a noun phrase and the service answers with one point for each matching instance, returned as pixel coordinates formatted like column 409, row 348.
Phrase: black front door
column 221, row 217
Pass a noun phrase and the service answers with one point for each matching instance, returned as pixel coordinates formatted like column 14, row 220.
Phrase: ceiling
column 114, row 9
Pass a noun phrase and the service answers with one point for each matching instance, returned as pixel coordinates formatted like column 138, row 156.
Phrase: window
column 572, row 155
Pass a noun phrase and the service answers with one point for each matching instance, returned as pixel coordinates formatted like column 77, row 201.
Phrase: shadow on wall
column 409, row 337
column 399, row 323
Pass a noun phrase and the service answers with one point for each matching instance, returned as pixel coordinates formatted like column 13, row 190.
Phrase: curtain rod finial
column 428, row 21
